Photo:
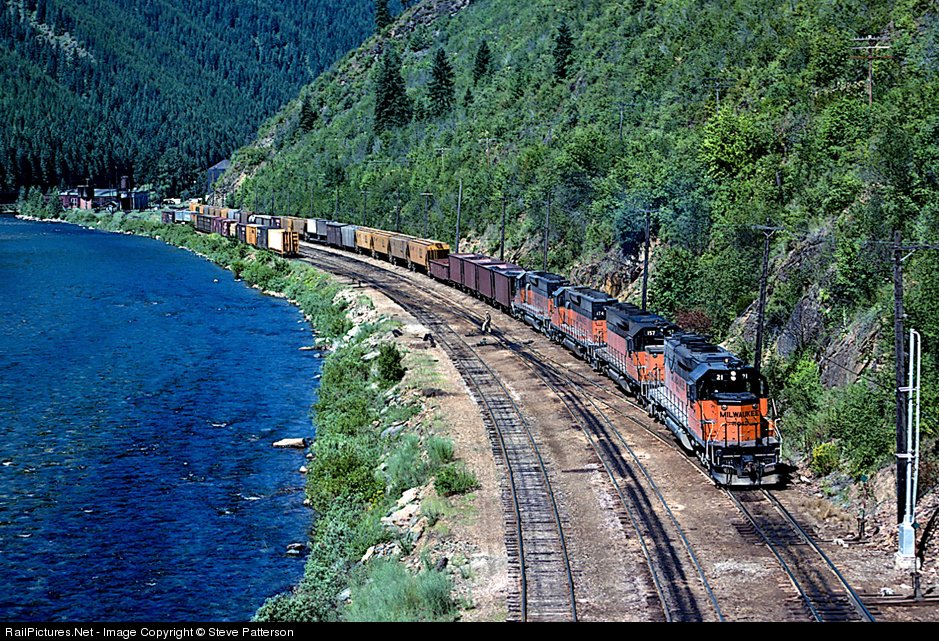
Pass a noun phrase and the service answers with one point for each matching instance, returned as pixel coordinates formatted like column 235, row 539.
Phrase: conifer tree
column 382, row 15
column 563, row 50
column 482, row 64
column 441, row 92
column 392, row 106
column 308, row 115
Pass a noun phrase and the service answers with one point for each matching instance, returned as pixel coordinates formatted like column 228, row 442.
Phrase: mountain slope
column 153, row 88
column 734, row 115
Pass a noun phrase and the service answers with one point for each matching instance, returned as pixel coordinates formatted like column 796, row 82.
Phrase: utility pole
column 871, row 46
column 645, row 260
column 442, row 151
column 907, row 537
column 718, row 84
column 487, row 141
column 364, row 199
column 459, row 205
column 547, row 220
column 397, row 208
column 426, row 195
column 768, row 232
column 502, row 241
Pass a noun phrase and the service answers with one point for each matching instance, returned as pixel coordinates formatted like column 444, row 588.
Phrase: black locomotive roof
column 691, row 350
column 628, row 320
column 544, row 282
column 585, row 301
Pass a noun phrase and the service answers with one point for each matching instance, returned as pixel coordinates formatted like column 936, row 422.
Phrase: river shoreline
column 392, row 423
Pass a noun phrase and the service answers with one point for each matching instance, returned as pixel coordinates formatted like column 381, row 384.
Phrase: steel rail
column 852, row 595
column 630, row 509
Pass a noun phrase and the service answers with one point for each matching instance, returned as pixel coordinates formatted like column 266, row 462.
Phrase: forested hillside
column 716, row 117
column 156, row 89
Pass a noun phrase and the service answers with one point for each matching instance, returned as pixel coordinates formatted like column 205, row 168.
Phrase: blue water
column 141, row 388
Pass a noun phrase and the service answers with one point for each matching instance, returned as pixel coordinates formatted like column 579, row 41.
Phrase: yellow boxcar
column 421, row 251
column 251, row 234
column 293, row 223
column 283, row 241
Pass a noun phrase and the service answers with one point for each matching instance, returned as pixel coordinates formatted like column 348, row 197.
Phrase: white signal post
column 906, row 554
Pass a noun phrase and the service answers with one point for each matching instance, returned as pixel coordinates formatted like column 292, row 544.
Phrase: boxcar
column 262, row 235
column 422, row 250
column 251, row 234
column 294, row 224
column 348, row 237
column 283, row 241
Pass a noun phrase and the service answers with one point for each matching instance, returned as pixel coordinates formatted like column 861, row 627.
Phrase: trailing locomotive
column 714, row 403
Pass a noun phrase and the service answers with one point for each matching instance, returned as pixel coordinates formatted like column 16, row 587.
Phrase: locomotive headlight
column 733, row 375
column 724, row 407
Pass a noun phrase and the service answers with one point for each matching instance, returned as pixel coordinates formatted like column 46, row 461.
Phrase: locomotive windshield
column 732, row 384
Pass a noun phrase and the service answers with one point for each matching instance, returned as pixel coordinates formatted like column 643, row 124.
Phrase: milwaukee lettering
column 739, row 414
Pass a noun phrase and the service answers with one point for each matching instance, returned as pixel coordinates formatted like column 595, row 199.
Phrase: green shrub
column 390, row 593
column 439, row 451
column 825, row 459
column 454, row 479
column 405, row 469
column 390, row 369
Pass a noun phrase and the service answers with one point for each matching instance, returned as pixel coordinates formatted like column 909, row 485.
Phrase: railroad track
column 822, row 592
column 679, row 580
column 537, row 550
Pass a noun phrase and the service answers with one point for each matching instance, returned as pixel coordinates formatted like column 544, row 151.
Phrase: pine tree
column 382, row 15
column 482, row 64
column 563, row 50
column 440, row 91
column 308, row 115
column 392, row 106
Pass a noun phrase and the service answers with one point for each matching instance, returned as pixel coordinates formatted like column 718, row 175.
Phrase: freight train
column 714, row 403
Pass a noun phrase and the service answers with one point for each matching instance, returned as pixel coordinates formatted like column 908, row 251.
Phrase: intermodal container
column 283, row 241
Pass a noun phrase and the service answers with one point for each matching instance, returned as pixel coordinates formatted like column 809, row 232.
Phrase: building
column 88, row 197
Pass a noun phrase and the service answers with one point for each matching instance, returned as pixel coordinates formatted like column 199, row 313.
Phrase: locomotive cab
column 741, row 444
